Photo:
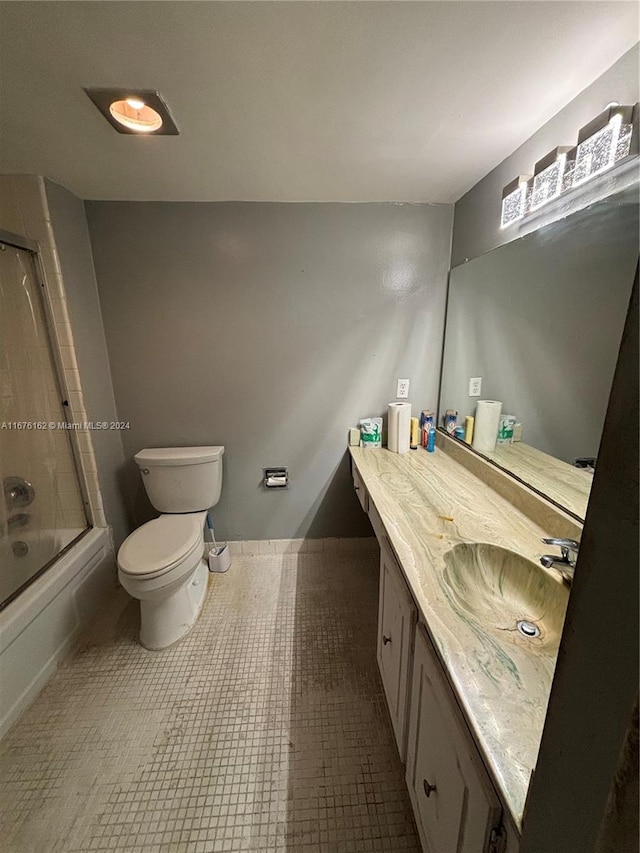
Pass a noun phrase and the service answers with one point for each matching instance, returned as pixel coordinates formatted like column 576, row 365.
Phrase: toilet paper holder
column 276, row 478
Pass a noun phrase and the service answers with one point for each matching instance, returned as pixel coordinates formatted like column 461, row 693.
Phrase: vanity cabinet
column 397, row 619
column 455, row 805
column 376, row 522
column 456, row 808
column 360, row 489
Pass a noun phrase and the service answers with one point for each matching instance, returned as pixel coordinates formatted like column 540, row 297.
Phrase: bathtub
column 23, row 552
column 38, row 627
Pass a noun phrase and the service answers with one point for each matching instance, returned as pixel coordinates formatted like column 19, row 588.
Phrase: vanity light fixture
column 134, row 111
column 606, row 141
column 603, row 142
column 514, row 200
column 547, row 176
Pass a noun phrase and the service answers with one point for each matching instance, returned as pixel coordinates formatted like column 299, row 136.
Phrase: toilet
column 163, row 562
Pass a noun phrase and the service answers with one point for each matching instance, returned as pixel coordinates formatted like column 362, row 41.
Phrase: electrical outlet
column 475, row 386
column 403, row 388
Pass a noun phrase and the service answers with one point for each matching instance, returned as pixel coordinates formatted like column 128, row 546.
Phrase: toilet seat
column 160, row 545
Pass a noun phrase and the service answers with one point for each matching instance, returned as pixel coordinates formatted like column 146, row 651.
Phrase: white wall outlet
column 403, row 388
column 475, row 386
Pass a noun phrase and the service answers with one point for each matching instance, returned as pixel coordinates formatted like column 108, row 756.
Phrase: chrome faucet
column 566, row 562
column 18, row 520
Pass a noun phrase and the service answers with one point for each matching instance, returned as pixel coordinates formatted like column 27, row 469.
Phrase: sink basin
column 506, row 594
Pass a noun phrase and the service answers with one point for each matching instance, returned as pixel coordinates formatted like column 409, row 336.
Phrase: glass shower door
column 41, row 504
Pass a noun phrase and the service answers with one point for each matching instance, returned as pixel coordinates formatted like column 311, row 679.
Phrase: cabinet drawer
column 360, row 490
column 397, row 617
column 376, row 522
column 453, row 799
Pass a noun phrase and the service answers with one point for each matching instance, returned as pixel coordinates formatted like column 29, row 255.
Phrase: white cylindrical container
column 219, row 559
column 485, row 431
column 399, row 427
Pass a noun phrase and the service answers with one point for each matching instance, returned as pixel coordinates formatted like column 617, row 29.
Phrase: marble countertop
column 567, row 485
column 428, row 503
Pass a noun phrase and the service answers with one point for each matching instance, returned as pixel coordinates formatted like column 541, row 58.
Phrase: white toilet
column 163, row 562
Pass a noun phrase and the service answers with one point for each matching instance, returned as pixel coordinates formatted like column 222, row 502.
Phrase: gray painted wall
column 540, row 320
column 271, row 329
column 477, row 214
column 74, row 250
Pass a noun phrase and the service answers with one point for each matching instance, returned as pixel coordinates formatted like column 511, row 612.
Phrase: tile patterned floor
column 264, row 730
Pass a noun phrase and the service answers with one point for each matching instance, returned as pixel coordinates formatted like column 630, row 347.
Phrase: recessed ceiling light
column 134, row 111
column 142, row 119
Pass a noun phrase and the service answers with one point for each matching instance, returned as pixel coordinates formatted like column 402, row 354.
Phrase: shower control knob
column 17, row 492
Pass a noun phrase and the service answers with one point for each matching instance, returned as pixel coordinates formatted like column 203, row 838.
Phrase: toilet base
column 167, row 620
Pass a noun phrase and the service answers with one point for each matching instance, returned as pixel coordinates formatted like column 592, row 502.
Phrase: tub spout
column 17, row 520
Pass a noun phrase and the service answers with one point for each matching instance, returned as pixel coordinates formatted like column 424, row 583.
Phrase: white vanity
column 467, row 692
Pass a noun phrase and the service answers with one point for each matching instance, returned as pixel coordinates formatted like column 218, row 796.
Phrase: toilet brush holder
column 219, row 558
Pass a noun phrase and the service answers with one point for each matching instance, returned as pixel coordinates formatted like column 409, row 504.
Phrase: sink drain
column 528, row 629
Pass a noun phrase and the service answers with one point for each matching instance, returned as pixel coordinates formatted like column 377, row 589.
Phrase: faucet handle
column 563, row 543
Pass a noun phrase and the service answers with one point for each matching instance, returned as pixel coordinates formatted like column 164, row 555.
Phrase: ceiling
column 301, row 101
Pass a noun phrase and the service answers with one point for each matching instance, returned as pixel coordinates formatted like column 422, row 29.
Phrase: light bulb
column 135, row 115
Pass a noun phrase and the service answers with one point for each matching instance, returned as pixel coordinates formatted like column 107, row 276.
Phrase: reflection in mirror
column 540, row 320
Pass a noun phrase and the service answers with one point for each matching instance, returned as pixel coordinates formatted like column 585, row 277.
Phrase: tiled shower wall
column 28, row 392
column 24, row 211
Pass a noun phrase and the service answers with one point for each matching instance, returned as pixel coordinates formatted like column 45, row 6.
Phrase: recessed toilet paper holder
column 276, row 478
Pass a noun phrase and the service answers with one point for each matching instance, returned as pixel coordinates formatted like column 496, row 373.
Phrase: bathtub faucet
column 17, row 520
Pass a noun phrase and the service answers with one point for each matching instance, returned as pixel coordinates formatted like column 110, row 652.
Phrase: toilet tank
column 181, row 479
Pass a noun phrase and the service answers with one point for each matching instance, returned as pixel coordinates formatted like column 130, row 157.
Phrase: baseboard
column 355, row 545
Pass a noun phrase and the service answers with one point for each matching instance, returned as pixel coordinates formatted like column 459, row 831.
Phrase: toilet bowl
column 162, row 563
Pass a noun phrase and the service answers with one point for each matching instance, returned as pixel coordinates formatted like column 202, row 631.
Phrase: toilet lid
column 160, row 544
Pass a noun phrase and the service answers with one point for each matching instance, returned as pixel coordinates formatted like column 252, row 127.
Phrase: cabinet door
column 397, row 617
column 453, row 800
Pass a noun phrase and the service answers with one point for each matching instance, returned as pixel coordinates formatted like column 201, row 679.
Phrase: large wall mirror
column 540, row 320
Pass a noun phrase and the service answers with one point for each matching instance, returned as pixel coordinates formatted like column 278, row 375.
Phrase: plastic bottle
column 415, row 434
column 431, row 444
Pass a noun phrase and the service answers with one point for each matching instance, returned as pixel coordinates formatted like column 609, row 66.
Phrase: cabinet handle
column 385, row 640
column 428, row 789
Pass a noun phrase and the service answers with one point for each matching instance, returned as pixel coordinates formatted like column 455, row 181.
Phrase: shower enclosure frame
column 17, row 241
